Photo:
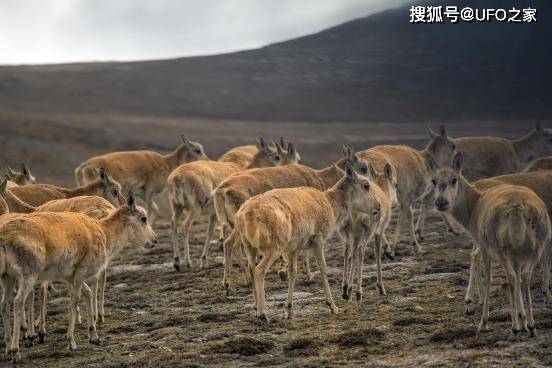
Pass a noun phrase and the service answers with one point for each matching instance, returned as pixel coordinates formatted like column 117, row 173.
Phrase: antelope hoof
column 289, row 311
column 381, row 290
column 16, row 356
column 334, row 309
column 176, row 264
column 203, row 262
column 389, row 254
column 482, row 326
column 263, row 318
column 309, row 277
column 345, row 292
column 419, row 235
column 72, row 345
column 28, row 342
column 283, row 275
column 532, row 331
column 41, row 337
column 101, row 318
column 359, row 295
column 470, row 311
column 94, row 341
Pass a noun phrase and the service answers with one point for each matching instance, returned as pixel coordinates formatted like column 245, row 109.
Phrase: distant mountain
column 376, row 68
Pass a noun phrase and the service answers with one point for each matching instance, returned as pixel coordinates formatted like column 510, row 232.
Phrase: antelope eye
column 364, row 170
column 454, row 181
column 144, row 219
column 366, row 186
column 396, row 185
column 276, row 158
column 453, row 146
column 197, row 150
column 434, row 182
column 114, row 192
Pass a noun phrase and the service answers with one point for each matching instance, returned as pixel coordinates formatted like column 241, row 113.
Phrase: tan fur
column 190, row 194
column 288, row 221
column 242, row 155
column 70, row 247
column 359, row 229
column 541, row 163
column 491, row 156
column 230, row 195
column 413, row 177
column 509, row 224
column 143, row 172
column 38, row 194
column 539, row 182
column 92, row 206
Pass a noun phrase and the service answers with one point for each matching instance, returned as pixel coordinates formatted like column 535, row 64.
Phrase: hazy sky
column 52, row 31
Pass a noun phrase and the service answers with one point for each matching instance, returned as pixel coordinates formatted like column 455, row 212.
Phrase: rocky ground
column 157, row 316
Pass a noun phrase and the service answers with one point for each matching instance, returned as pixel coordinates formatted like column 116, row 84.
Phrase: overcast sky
column 53, row 31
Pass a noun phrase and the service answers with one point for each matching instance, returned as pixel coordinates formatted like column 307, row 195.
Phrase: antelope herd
column 269, row 206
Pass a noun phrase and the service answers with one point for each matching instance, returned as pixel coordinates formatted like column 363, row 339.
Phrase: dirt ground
column 159, row 317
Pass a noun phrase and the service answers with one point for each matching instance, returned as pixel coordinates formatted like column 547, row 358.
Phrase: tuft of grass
column 244, row 345
column 447, row 335
column 302, row 346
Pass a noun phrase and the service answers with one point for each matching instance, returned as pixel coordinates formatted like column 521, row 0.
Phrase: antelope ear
column 11, row 173
column 457, row 162
column 103, row 175
column 430, row 132
column 3, row 185
column 442, row 130
column 388, row 171
column 125, row 190
column 282, row 142
column 350, row 171
column 185, row 140
column 338, row 170
column 372, row 172
column 261, row 144
column 430, row 163
column 25, row 170
column 290, row 149
column 131, row 201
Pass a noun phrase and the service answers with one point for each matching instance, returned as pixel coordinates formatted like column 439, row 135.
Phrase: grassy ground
column 159, row 317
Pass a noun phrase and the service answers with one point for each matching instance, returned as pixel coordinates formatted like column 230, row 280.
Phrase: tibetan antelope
column 509, row 224
column 486, row 157
column 540, row 183
column 288, row 221
column 143, row 172
column 413, row 177
column 190, row 188
column 23, row 177
column 62, row 246
column 230, row 195
column 540, row 164
column 38, row 194
column 360, row 228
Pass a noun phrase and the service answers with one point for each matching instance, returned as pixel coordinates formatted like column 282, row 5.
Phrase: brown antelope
column 20, row 178
column 540, row 183
column 539, row 164
column 485, row 157
column 63, row 246
column 413, row 177
column 143, row 172
column 190, row 193
column 288, row 221
column 509, row 224
column 38, row 194
column 359, row 229
column 230, row 195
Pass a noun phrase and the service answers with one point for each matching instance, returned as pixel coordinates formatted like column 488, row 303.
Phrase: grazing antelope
column 190, row 188
column 486, row 157
column 541, row 163
column 20, row 178
column 230, row 195
column 63, row 246
column 38, row 194
column 359, row 229
column 509, row 224
column 413, row 177
column 539, row 182
column 288, row 221
column 143, row 172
